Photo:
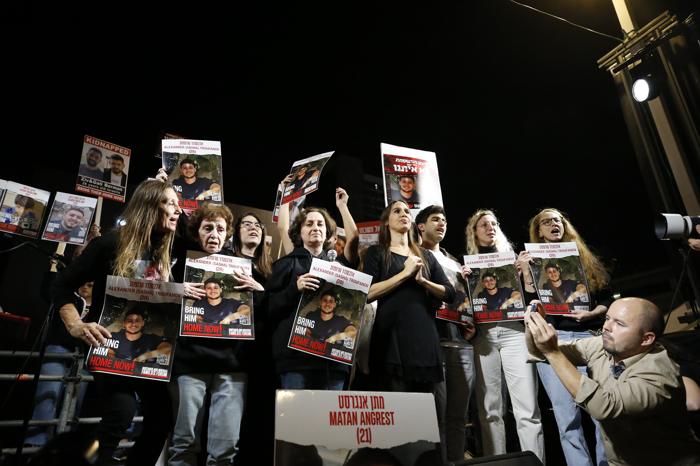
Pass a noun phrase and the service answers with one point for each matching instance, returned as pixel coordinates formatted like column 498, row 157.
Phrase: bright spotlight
column 641, row 89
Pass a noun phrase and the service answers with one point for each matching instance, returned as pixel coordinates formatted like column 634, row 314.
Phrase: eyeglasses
column 548, row 221
column 249, row 225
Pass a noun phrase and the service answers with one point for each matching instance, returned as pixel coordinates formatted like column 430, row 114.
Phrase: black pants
column 118, row 402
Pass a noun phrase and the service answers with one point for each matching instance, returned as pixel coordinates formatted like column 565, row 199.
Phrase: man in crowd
column 115, row 173
column 91, row 168
column 452, row 397
column 633, row 388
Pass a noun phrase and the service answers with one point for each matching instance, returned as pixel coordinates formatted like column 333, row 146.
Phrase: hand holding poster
column 224, row 312
column 142, row 316
column 70, row 218
column 194, row 169
column 460, row 309
column 104, row 168
column 359, row 428
column 410, row 175
column 494, row 285
column 559, row 277
column 305, row 175
column 328, row 319
column 22, row 209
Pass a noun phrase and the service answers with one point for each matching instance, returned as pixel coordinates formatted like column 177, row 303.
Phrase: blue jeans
column 312, row 380
column 49, row 393
column 453, row 396
column 225, row 413
column 568, row 414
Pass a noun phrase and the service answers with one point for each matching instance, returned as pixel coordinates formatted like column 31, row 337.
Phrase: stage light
column 645, row 88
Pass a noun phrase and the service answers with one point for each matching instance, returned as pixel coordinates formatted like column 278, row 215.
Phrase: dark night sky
column 511, row 101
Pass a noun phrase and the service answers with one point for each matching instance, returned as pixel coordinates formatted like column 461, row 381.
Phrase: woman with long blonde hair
column 551, row 226
column 405, row 350
column 499, row 348
column 140, row 248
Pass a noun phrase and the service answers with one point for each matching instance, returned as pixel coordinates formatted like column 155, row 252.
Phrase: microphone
column 331, row 255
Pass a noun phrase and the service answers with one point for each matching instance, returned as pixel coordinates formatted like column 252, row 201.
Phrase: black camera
column 676, row 226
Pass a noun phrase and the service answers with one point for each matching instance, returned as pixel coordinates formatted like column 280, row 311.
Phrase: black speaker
column 522, row 458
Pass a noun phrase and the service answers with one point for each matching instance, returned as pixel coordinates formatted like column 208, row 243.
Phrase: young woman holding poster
column 499, row 348
column 310, row 233
column 144, row 242
column 217, row 366
column 551, row 226
column 405, row 350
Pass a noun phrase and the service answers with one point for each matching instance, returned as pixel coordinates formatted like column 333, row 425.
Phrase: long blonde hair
column 598, row 278
column 142, row 215
column 502, row 242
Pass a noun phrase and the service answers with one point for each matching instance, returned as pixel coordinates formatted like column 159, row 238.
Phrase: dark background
column 511, row 101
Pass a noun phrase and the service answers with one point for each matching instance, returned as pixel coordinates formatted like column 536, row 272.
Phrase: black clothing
column 108, row 177
column 117, row 393
column 283, row 300
column 324, row 329
column 405, row 342
column 198, row 355
column 118, row 409
column 129, row 350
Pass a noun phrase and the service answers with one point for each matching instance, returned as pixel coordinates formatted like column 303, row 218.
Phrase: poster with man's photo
column 410, row 175
column 559, row 277
column 3, row 189
column 104, row 169
column 70, row 218
column 355, row 428
column 459, row 310
column 22, row 209
column 224, row 312
column 328, row 319
column 142, row 316
column 194, row 168
column 306, row 174
column 495, row 288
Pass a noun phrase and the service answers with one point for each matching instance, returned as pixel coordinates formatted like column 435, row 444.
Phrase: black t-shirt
column 562, row 292
column 191, row 191
column 215, row 313
column 496, row 301
column 132, row 349
column 324, row 329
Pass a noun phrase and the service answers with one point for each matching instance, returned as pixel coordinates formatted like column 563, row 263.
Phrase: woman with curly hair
column 551, row 226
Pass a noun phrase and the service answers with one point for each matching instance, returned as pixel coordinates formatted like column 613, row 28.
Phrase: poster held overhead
column 410, row 175
column 22, row 209
column 306, row 174
column 195, row 170
column 559, row 277
column 104, row 169
column 495, row 288
column 70, row 218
